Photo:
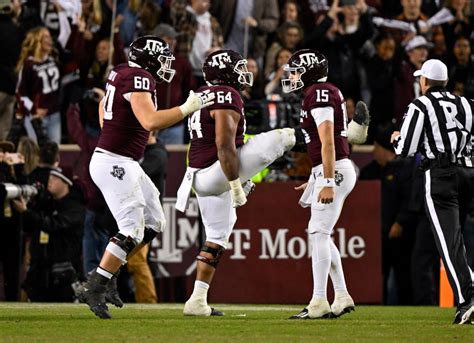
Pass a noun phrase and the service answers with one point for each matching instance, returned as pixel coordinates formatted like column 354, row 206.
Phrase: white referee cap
column 433, row 70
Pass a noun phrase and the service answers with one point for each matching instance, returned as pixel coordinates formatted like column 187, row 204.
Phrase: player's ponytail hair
column 31, row 46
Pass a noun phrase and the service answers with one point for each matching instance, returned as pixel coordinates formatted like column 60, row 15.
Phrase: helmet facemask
column 245, row 77
column 293, row 80
column 166, row 73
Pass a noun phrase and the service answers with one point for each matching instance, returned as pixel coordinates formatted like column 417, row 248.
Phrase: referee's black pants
column 445, row 188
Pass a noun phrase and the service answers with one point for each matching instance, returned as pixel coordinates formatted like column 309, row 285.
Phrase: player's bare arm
column 226, row 127
column 144, row 109
column 101, row 113
column 328, row 154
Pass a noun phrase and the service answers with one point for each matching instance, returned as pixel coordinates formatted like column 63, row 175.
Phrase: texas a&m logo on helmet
column 154, row 55
column 305, row 67
column 227, row 68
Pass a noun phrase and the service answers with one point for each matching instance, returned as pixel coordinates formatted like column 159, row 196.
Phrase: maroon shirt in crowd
column 324, row 95
column 122, row 133
column 38, row 86
column 202, row 127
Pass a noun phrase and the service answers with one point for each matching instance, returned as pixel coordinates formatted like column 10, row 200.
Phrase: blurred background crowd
column 55, row 57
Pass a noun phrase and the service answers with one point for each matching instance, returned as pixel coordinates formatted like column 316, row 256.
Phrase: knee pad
column 126, row 243
column 149, row 235
column 215, row 252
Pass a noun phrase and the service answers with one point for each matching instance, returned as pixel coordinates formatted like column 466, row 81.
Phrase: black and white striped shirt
column 437, row 123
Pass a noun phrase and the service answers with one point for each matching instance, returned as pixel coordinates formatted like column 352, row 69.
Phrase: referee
column 439, row 125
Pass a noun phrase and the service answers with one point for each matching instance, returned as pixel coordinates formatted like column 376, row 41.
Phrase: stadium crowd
column 56, row 56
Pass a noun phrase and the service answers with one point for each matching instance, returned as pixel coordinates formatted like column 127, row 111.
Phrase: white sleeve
column 127, row 96
column 411, row 132
column 64, row 29
column 321, row 114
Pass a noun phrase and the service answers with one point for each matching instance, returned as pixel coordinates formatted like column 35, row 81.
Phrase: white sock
column 200, row 289
column 321, row 262
column 104, row 273
column 336, row 272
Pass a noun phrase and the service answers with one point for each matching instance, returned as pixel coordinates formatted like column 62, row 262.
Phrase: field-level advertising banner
column 268, row 258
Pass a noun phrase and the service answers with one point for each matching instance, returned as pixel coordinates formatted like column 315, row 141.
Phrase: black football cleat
column 301, row 315
column 111, row 294
column 96, row 302
column 300, row 145
column 216, row 312
column 362, row 115
column 464, row 314
column 93, row 294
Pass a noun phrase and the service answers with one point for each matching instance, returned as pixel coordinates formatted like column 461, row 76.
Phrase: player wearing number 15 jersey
column 128, row 113
column 220, row 162
column 324, row 122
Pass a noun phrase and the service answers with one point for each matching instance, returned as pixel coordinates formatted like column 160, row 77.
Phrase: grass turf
column 22, row 322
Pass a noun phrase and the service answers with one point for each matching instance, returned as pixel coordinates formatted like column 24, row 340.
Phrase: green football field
column 22, row 322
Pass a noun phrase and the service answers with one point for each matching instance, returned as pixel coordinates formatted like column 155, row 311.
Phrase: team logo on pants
column 338, row 178
column 118, row 172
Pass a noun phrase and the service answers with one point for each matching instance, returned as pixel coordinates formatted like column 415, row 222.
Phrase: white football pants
column 324, row 216
column 131, row 196
column 212, row 187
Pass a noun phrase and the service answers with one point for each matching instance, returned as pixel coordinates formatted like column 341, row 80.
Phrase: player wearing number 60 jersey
column 128, row 113
column 324, row 123
column 220, row 163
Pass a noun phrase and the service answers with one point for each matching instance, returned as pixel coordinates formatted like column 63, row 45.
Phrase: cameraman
column 11, row 171
column 56, row 227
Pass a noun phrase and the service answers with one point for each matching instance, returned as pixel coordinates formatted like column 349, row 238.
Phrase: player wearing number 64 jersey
column 220, row 164
column 324, row 123
column 128, row 113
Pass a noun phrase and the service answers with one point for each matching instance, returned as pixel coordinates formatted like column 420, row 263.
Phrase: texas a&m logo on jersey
column 308, row 59
column 154, row 46
column 219, row 60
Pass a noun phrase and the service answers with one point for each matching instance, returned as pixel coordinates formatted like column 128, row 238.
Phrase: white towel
column 305, row 200
column 184, row 190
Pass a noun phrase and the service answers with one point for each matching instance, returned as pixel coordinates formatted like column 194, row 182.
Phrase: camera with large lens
column 14, row 191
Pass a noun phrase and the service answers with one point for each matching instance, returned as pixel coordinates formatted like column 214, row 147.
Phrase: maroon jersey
column 122, row 133
column 202, row 127
column 38, row 86
column 322, row 95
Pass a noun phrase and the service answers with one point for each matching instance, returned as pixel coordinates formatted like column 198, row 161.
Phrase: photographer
column 11, row 171
column 56, row 228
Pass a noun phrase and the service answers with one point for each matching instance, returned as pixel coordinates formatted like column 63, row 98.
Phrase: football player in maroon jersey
column 220, row 162
column 128, row 113
column 324, row 123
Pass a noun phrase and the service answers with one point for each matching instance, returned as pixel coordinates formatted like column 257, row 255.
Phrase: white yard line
column 154, row 307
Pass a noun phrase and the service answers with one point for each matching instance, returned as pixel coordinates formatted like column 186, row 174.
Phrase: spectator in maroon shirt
column 38, row 82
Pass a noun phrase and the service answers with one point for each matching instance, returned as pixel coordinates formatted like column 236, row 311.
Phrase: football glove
column 196, row 101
